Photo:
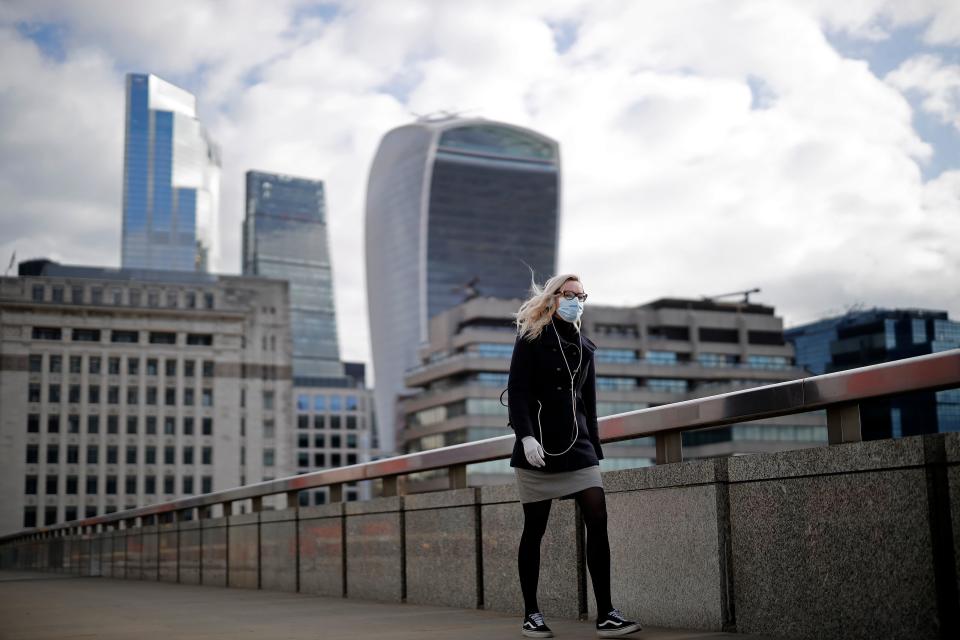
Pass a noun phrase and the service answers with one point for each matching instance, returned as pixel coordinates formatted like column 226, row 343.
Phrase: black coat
column 539, row 398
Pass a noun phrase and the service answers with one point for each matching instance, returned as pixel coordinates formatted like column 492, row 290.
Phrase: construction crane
column 745, row 294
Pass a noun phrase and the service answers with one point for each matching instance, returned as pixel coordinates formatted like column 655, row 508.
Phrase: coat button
column 558, row 368
column 559, row 388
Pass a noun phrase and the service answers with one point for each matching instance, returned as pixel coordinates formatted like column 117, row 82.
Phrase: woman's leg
column 535, row 515
column 593, row 506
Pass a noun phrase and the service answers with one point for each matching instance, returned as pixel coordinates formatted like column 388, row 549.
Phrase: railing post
column 669, row 447
column 843, row 423
column 457, row 476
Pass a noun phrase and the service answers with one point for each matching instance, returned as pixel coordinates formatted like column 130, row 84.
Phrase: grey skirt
column 534, row 486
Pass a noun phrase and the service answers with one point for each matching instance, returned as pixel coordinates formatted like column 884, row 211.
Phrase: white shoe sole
column 616, row 633
column 537, row 634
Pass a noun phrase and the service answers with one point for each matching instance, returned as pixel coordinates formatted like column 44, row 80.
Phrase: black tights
column 593, row 506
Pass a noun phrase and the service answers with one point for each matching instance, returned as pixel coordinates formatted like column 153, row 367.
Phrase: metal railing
column 839, row 393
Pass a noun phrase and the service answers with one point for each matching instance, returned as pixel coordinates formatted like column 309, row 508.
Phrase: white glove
column 533, row 451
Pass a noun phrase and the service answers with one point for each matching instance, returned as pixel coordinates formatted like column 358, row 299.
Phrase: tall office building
column 455, row 208
column 285, row 237
column 171, row 180
column 125, row 387
column 862, row 338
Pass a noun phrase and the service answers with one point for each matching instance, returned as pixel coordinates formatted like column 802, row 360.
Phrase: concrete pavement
column 43, row 606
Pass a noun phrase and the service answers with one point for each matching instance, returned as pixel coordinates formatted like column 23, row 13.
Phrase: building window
column 93, row 424
column 200, row 339
column 303, row 403
column 319, row 440
column 336, row 403
column 73, row 454
column 153, row 299
column 57, row 293
column 269, row 430
column 131, row 455
column 151, row 395
column 30, row 487
column 56, row 364
column 133, row 366
column 207, row 426
column 132, row 393
column 668, row 385
column 168, row 484
column 113, row 395
column 117, row 297
column 125, row 337
column 93, row 394
column 152, row 366
column 172, row 299
column 73, row 394
column 334, row 422
column 93, row 454
column 206, row 455
column 774, row 338
column 96, row 295
column 53, row 454
column 94, row 365
column 188, row 485
column 53, row 423
column 37, row 292
column 206, row 397
column 615, row 383
column 86, row 335
column 207, row 368
column 169, row 426
column 319, row 403
column 170, row 368
column 661, row 357
column 111, row 485
column 208, row 300
column 33, row 392
column 33, row 423
column 319, row 422
column 188, row 455
column 50, row 515
column 207, row 482
column 112, row 454
column 73, row 423
column 72, row 484
column 47, row 333
column 33, row 454
column 130, row 485
column 150, row 457
column 151, row 425
column 36, row 363
column 169, row 455
column 188, row 368
column 135, row 297
column 150, row 485
column 268, row 400
column 188, row 397
column 191, row 300
column 352, row 403
column 188, row 426
column 268, row 455
column 170, row 396
column 132, row 425
column 163, row 337
column 113, row 366
column 303, row 421
column 113, row 424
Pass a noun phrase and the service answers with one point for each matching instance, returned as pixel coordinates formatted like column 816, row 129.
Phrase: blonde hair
column 537, row 311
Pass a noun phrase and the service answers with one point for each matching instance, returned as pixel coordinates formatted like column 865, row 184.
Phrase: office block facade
column 285, row 237
column 456, row 208
column 171, row 180
column 658, row 353
column 866, row 337
column 127, row 387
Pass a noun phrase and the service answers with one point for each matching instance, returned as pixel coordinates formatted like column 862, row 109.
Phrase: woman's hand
column 533, row 451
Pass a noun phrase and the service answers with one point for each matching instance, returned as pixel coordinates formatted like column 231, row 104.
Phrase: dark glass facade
column 171, row 176
column 285, row 237
column 863, row 338
column 455, row 209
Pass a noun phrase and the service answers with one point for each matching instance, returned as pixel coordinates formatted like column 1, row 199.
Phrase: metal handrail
column 838, row 392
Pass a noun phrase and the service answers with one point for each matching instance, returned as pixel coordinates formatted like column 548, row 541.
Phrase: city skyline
column 808, row 150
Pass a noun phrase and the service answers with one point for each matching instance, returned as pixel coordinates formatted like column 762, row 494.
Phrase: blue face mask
column 570, row 310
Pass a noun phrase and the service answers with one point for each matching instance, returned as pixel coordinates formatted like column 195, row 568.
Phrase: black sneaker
column 614, row 624
column 533, row 626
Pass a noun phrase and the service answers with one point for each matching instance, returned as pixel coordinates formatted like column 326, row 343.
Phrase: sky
column 808, row 148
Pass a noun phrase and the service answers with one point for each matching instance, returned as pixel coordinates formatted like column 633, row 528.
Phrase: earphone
column 573, row 394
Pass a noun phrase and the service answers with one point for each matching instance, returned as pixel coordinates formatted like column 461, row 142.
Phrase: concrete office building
column 864, row 337
column 171, row 180
column 456, row 208
column 661, row 352
column 127, row 387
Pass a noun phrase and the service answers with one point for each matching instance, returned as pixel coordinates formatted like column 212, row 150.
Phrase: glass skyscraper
column 862, row 338
column 285, row 237
column 171, row 180
column 456, row 208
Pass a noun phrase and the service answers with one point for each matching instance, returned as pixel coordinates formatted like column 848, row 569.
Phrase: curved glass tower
column 455, row 208
column 171, row 180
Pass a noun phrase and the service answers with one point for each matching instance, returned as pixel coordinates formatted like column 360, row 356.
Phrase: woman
column 553, row 410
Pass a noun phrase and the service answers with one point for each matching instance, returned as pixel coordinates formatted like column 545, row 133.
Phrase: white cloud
column 706, row 146
column 936, row 82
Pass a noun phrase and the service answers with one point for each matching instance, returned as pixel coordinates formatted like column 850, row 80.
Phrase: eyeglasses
column 570, row 295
